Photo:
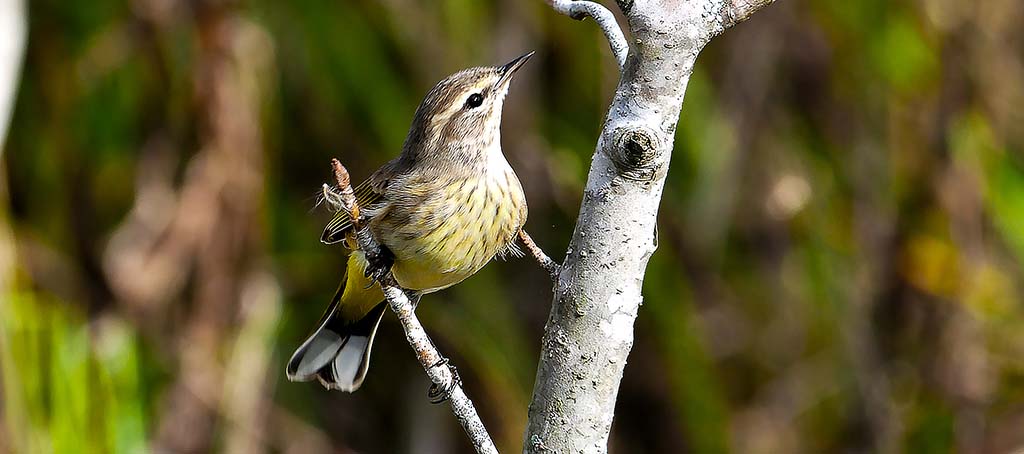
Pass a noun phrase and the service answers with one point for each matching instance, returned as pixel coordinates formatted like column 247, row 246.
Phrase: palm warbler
column 442, row 209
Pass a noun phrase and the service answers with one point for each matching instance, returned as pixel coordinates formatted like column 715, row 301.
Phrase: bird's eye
column 475, row 100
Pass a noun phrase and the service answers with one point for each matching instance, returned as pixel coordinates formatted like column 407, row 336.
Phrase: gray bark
column 589, row 332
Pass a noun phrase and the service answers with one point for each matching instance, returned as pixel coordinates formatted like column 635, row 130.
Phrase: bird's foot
column 436, row 393
column 378, row 259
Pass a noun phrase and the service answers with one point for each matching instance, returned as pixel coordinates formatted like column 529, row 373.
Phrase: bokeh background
column 841, row 237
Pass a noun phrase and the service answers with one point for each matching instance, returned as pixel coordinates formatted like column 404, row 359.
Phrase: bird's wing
column 367, row 194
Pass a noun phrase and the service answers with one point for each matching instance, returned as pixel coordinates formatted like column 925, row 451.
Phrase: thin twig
column 538, row 254
column 605, row 19
column 433, row 363
column 346, row 195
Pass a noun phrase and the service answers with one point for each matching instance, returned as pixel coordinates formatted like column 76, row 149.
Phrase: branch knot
column 634, row 153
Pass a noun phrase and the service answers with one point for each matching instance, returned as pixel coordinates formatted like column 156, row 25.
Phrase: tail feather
column 338, row 352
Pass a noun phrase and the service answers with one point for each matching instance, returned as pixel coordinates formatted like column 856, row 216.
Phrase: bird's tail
column 338, row 352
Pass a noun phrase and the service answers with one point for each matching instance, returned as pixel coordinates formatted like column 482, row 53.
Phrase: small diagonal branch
column 538, row 254
column 433, row 363
column 579, row 10
column 737, row 11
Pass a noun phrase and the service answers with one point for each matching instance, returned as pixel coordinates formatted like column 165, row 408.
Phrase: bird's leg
column 438, row 395
column 378, row 258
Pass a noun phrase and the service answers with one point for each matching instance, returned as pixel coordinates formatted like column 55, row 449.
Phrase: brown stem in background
column 193, row 253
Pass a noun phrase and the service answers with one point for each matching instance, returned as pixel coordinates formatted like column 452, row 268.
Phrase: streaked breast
column 457, row 230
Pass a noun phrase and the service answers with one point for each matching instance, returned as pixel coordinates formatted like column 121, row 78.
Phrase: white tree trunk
column 12, row 44
column 13, row 29
column 589, row 333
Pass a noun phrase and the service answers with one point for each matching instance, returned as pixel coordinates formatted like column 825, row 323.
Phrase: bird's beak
column 508, row 69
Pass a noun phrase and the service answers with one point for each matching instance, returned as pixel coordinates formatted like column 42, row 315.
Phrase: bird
column 441, row 210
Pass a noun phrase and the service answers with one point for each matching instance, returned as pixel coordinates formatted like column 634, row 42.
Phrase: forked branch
column 597, row 294
column 433, row 363
column 605, row 19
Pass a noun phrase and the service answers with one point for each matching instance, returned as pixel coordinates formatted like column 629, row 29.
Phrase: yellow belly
column 443, row 239
column 455, row 231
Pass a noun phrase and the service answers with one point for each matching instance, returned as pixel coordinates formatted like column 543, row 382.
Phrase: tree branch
column 737, row 11
column 589, row 332
column 579, row 10
column 538, row 254
column 435, row 365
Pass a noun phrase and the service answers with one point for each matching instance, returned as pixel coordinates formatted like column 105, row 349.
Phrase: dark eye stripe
column 475, row 100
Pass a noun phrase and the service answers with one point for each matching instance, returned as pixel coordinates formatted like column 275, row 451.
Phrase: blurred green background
column 842, row 232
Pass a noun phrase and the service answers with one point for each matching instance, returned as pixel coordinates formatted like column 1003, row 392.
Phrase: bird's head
column 462, row 114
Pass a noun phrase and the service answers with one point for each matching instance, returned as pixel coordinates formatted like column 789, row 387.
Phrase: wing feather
column 366, row 195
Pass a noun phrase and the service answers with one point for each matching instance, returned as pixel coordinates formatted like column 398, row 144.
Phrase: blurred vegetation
column 841, row 237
